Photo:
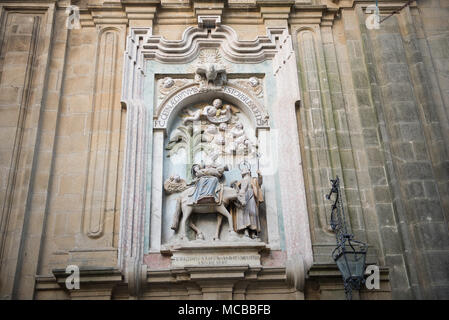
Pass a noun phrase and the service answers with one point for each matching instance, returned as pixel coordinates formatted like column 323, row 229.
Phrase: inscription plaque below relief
column 216, row 255
column 215, row 260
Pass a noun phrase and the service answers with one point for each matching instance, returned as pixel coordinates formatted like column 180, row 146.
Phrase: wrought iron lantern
column 350, row 254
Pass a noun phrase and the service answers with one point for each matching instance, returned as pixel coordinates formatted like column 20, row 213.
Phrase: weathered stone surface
column 371, row 106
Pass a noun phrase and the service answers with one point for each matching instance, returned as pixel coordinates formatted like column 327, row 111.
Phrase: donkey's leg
column 217, row 231
column 186, row 211
column 199, row 234
column 177, row 216
column 193, row 226
column 222, row 210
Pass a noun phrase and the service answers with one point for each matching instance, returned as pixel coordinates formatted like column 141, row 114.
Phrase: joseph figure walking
column 247, row 217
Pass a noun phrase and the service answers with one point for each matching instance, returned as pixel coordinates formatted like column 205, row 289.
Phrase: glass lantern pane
column 343, row 267
column 356, row 263
column 353, row 266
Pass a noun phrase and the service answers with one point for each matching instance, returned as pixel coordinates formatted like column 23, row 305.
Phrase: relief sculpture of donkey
column 207, row 195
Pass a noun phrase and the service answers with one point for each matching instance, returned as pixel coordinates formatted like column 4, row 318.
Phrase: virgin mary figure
column 207, row 185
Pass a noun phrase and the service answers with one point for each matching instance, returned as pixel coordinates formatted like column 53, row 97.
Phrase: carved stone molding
column 242, row 3
column 92, row 15
column 206, row 282
column 99, row 196
column 135, row 276
column 194, row 39
column 283, row 41
column 296, row 272
column 209, row 22
column 175, row 3
column 133, row 190
column 208, row 8
column 94, row 283
column 313, row 15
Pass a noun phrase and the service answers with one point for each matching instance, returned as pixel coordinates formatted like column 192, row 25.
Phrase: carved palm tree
column 188, row 137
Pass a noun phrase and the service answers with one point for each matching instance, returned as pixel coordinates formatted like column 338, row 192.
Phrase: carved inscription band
column 259, row 115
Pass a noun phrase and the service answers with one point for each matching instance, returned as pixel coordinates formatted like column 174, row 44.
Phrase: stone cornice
column 239, row 4
column 331, row 271
column 175, row 3
column 313, row 14
column 27, row 3
column 228, row 273
column 94, row 283
column 260, row 11
column 276, row 3
column 208, row 8
column 99, row 283
column 91, row 274
column 385, row 6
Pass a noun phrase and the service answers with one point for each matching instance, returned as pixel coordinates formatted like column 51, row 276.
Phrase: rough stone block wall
column 391, row 139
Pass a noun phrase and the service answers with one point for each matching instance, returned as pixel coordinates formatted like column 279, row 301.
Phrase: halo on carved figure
column 244, row 167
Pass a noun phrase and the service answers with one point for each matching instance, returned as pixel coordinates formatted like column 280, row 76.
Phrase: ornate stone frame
column 145, row 137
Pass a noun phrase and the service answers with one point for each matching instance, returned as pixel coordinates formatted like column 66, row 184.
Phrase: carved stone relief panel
column 211, row 154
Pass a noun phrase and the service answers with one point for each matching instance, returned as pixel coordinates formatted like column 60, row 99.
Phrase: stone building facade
column 98, row 102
